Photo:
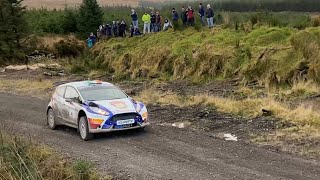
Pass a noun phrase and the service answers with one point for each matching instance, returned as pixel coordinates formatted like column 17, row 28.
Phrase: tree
column 13, row 29
column 70, row 21
column 90, row 17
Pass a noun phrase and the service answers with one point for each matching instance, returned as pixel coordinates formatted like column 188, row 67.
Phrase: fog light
column 95, row 123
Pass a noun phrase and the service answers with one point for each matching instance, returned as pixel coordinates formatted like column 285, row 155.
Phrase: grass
column 26, row 86
column 22, row 159
column 272, row 56
column 304, row 118
column 251, row 107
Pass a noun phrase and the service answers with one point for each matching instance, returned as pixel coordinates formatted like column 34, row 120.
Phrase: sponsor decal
column 119, row 104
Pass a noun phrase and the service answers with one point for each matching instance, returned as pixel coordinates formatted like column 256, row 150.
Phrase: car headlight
column 145, row 116
column 99, row 111
column 138, row 108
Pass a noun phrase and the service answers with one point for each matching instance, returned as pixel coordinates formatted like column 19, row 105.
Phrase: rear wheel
column 51, row 119
column 84, row 129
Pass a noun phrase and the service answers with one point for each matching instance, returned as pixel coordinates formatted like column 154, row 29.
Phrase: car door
column 58, row 102
column 70, row 108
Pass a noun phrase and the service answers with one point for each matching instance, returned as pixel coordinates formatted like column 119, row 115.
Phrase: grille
column 126, row 116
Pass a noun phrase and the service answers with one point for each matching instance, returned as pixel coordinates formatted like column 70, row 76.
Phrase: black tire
column 84, row 129
column 51, row 119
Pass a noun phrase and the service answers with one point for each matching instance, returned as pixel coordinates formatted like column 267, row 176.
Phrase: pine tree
column 90, row 17
column 70, row 21
column 13, row 29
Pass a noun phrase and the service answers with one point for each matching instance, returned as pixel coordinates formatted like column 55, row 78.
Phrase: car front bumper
column 95, row 131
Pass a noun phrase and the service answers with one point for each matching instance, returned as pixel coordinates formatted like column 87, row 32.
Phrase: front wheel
column 84, row 129
column 51, row 121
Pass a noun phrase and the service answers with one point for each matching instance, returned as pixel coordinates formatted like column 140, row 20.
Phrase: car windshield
column 100, row 93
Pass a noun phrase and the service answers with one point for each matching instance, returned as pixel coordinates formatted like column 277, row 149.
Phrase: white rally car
column 95, row 107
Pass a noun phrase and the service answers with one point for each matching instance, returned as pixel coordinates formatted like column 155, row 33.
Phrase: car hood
column 117, row 106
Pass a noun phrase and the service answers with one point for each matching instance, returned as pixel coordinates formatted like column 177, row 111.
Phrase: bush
column 69, row 48
column 316, row 21
column 82, row 169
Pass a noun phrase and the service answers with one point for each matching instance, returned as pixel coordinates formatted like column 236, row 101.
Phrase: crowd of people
column 153, row 23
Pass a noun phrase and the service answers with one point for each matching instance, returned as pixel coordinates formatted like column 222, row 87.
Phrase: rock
column 47, row 74
column 41, row 65
column 54, row 66
column 266, row 112
column 230, row 137
column 33, row 67
column 61, row 74
column 16, row 68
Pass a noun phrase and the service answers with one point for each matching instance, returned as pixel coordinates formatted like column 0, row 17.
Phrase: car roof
column 83, row 84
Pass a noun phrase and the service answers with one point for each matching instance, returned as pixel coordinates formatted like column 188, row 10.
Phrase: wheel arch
column 81, row 114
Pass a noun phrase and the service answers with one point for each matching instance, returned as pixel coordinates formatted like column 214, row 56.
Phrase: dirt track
column 162, row 152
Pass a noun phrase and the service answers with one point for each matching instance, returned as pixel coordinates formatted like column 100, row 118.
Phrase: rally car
column 95, row 107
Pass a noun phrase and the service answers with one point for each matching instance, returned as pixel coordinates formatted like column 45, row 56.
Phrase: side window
column 60, row 91
column 71, row 93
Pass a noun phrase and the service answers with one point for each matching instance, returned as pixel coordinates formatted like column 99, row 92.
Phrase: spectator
column 146, row 18
column 131, row 30
column 134, row 17
column 122, row 29
column 93, row 38
column 158, row 22
column 202, row 14
column 136, row 32
column 167, row 25
column 190, row 16
column 108, row 31
column 98, row 34
column 184, row 16
column 175, row 18
column 210, row 15
column 89, row 42
column 153, row 22
column 115, row 29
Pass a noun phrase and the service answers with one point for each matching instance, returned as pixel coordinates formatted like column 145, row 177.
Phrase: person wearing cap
column 210, row 15
column 146, row 18
column 134, row 17
column 175, row 18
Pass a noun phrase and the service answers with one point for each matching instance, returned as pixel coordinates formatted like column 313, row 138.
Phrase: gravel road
column 162, row 152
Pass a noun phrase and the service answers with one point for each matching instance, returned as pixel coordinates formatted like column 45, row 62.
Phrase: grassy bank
column 271, row 56
column 22, row 159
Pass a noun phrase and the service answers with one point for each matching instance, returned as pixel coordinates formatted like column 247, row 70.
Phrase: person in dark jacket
column 134, row 17
column 153, row 22
column 190, row 16
column 210, row 15
column 175, row 18
column 202, row 14
column 108, row 31
column 184, row 16
column 122, row 29
column 158, row 22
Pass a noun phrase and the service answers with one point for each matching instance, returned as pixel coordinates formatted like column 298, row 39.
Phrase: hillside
column 270, row 56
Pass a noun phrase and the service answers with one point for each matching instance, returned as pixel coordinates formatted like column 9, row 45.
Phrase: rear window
column 100, row 93
column 60, row 91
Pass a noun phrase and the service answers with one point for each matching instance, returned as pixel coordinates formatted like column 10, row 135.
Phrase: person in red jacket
column 190, row 16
